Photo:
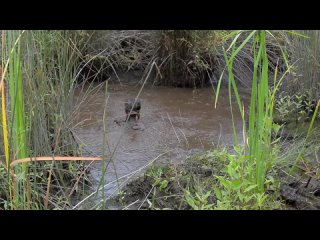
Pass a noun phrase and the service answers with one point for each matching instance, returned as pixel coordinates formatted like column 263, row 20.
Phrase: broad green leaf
column 224, row 182
column 207, row 195
column 163, row 185
column 250, row 188
column 236, row 184
column 218, row 193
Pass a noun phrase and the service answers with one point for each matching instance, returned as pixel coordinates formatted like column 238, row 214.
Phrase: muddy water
column 181, row 121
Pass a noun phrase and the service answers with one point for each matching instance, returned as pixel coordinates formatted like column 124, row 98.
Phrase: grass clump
column 39, row 70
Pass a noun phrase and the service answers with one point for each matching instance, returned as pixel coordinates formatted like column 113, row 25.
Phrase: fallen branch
column 36, row 159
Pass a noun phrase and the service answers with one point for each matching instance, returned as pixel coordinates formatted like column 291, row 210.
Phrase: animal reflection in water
column 132, row 109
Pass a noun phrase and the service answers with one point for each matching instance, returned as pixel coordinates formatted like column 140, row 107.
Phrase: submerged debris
column 300, row 194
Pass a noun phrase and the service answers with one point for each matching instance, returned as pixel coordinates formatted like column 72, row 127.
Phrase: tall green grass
column 40, row 80
column 16, row 123
column 258, row 144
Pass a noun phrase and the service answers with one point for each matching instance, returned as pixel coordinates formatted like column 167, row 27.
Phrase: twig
column 146, row 197
column 36, row 159
column 126, row 207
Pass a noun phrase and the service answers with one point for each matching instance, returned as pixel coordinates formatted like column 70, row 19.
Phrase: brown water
column 181, row 121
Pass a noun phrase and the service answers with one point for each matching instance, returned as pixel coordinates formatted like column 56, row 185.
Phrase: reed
column 16, row 119
column 39, row 74
column 258, row 147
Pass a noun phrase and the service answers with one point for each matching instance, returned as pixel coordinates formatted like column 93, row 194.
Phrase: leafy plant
column 294, row 108
column 236, row 190
column 247, row 174
column 198, row 201
column 156, row 173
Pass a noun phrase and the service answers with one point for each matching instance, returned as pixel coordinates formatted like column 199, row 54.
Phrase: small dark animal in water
column 135, row 105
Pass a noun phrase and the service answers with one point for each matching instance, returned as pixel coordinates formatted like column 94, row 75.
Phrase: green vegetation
column 205, row 181
column 247, row 181
column 40, row 71
column 256, row 157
